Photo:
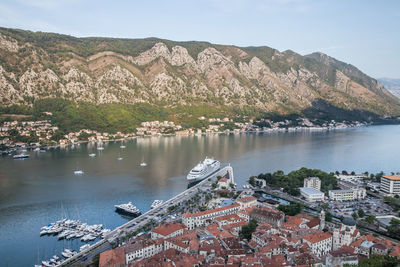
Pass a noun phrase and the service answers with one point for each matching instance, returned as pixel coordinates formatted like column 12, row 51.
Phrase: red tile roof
column 313, row 223
column 392, row 177
column 215, row 231
column 317, row 236
column 112, row 257
column 229, row 217
column 294, row 220
column 168, row 228
column 247, row 199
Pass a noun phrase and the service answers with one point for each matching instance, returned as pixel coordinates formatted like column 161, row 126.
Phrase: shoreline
column 226, row 132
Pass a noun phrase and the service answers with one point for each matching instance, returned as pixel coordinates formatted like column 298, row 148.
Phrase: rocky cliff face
column 161, row 72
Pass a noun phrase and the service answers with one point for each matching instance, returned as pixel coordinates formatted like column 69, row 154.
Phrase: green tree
column 292, row 209
column 248, row 229
column 252, row 180
column 324, row 206
column 361, row 213
column 59, row 134
column 328, row 217
column 376, row 260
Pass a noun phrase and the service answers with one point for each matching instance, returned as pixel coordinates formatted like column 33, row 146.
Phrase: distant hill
column 393, row 85
column 164, row 73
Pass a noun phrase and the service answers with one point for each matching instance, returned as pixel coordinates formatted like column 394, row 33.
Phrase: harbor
column 224, row 170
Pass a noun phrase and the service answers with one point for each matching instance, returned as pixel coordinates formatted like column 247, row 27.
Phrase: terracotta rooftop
column 168, row 228
column 229, row 217
column 317, row 236
column 247, row 199
column 343, row 252
column 294, row 220
column 396, row 251
column 392, row 177
column 215, row 231
column 314, row 222
column 223, row 180
column 112, row 257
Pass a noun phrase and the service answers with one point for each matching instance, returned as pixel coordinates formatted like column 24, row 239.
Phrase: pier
column 105, row 244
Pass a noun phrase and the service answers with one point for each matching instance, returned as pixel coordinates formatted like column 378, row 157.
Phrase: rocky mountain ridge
column 393, row 85
column 162, row 72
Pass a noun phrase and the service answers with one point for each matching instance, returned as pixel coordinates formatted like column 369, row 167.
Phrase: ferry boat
column 203, row 170
column 128, row 208
column 156, row 203
column 21, row 156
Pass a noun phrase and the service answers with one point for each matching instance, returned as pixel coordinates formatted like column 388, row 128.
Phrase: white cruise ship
column 203, row 169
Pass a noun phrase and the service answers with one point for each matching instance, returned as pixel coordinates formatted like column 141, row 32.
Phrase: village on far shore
column 42, row 133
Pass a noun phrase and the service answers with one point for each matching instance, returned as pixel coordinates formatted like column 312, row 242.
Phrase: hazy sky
column 363, row 33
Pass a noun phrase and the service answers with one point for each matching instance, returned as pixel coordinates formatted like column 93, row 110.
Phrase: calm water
column 43, row 188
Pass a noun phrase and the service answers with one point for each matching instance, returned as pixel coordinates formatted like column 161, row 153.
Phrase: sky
column 363, row 33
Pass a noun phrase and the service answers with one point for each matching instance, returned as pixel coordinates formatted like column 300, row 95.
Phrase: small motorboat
column 21, row 156
column 92, row 155
column 47, row 263
column 78, row 172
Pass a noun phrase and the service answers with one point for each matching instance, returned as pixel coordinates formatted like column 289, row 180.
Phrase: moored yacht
column 203, row 170
column 127, row 208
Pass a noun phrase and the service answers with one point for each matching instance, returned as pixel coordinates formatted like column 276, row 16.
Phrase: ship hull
column 126, row 212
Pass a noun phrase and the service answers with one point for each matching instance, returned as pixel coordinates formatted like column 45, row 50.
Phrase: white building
column 320, row 243
column 311, row 194
column 223, row 183
column 192, row 220
column 312, row 182
column 142, row 248
column 246, row 201
column 390, row 185
column 348, row 194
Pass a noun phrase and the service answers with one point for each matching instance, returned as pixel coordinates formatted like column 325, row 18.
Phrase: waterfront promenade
column 130, row 226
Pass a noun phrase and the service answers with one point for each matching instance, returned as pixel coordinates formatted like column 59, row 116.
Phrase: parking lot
column 370, row 206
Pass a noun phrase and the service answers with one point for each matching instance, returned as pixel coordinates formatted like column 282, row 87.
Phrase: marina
column 71, row 229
